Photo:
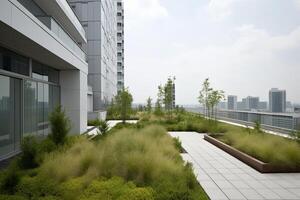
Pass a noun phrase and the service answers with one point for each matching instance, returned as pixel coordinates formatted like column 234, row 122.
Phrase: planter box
column 249, row 160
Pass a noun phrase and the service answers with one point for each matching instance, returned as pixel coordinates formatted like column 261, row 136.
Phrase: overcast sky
column 245, row 47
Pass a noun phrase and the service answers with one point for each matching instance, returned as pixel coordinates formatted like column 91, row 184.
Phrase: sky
column 245, row 47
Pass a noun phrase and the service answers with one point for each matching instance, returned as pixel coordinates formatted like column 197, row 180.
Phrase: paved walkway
column 225, row 177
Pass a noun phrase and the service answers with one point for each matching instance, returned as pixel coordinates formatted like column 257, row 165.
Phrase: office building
column 232, row 102
column 99, row 20
column 240, row 105
column 120, row 44
column 277, row 100
column 42, row 65
column 263, row 105
column 251, row 103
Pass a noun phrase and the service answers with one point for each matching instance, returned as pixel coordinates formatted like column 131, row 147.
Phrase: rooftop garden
column 125, row 163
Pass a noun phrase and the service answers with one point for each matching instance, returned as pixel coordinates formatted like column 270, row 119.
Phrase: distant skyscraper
column 173, row 94
column 120, row 44
column 263, row 105
column 251, row 103
column 232, row 102
column 277, row 100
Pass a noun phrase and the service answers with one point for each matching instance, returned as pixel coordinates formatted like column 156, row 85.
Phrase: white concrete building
column 42, row 64
column 120, row 44
column 232, row 102
column 277, row 100
column 99, row 20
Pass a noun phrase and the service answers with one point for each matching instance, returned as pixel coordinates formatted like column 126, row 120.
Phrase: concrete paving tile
column 223, row 184
column 256, row 184
column 285, row 194
column 271, row 184
column 209, row 185
column 268, row 194
column 233, row 194
column 231, row 177
column 240, row 184
column 251, row 194
column 217, row 176
column 295, row 192
column 216, row 194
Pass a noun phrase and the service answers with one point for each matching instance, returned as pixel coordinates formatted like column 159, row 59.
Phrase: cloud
column 297, row 2
column 141, row 11
column 253, row 63
column 219, row 9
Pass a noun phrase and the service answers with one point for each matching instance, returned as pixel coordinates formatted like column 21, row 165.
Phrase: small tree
column 60, row 126
column 214, row 98
column 203, row 97
column 168, row 94
column 112, row 110
column 149, row 105
column 124, row 104
column 157, row 109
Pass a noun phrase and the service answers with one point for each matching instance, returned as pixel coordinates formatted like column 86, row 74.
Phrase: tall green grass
column 147, row 157
column 266, row 147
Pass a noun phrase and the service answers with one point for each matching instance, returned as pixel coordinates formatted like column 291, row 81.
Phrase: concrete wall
column 74, row 98
column 99, row 21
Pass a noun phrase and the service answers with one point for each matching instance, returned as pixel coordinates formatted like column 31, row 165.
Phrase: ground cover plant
column 266, row 147
column 181, row 120
column 129, row 163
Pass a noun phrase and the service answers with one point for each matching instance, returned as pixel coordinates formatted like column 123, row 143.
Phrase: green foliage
column 210, row 98
column 60, row 126
column 257, row 126
column 149, row 105
column 177, row 144
column 116, row 189
column 28, row 158
column 103, row 127
column 158, row 110
column 147, row 157
column 182, row 122
column 203, row 96
column 12, row 197
column 35, row 187
column 10, row 178
column 261, row 146
column 123, row 102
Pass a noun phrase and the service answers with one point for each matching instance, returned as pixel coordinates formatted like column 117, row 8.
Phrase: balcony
column 63, row 36
column 63, row 13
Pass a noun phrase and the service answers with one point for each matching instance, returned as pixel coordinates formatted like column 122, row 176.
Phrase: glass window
column 45, row 73
column 10, row 103
column 40, row 99
column 13, row 62
column 30, row 108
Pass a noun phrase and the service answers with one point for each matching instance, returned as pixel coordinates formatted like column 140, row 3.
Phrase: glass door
column 10, row 115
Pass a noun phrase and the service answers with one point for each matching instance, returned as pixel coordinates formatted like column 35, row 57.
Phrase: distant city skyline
column 244, row 47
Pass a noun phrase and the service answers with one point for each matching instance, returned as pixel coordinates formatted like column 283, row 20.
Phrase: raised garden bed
column 249, row 160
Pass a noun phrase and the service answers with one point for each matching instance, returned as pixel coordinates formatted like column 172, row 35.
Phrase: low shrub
column 103, row 127
column 116, row 188
column 10, row 178
column 60, row 126
column 12, row 197
column 28, row 158
column 35, row 187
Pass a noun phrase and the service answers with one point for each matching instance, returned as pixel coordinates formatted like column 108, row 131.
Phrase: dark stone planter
column 249, row 160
